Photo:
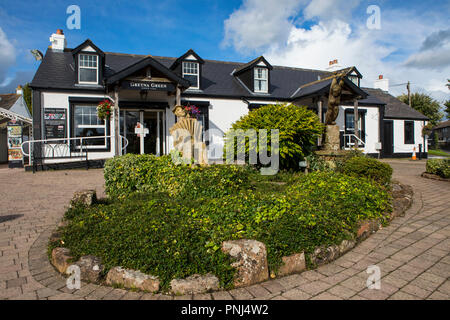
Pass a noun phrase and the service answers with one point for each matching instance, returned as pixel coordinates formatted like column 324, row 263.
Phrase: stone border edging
column 44, row 272
column 434, row 177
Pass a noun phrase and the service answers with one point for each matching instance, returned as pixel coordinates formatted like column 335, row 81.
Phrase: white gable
column 191, row 57
column 262, row 64
column 88, row 49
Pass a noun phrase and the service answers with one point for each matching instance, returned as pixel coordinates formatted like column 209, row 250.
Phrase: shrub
column 440, row 167
column 175, row 237
column 370, row 168
column 148, row 173
column 298, row 128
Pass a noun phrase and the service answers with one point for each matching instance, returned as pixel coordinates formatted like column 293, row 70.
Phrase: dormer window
column 261, row 80
column 354, row 79
column 191, row 73
column 88, row 69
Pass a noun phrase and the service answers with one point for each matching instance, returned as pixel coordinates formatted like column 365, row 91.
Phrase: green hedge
column 369, row 168
column 298, row 128
column 440, row 167
column 174, row 237
column 148, row 173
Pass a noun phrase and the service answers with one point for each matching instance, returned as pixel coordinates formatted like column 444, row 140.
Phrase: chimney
column 333, row 65
column 58, row 40
column 381, row 83
column 19, row 90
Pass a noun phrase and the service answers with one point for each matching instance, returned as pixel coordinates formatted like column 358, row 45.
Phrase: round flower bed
column 173, row 225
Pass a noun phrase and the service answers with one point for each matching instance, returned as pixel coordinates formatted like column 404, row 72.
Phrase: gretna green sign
column 148, row 85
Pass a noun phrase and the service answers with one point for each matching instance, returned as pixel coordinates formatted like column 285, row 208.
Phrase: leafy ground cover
column 170, row 221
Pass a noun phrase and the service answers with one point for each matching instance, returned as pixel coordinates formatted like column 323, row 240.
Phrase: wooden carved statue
column 187, row 136
column 334, row 100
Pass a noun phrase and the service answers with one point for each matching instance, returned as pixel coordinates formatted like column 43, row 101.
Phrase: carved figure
column 334, row 100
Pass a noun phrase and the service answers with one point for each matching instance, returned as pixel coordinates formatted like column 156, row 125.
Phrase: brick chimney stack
column 19, row 90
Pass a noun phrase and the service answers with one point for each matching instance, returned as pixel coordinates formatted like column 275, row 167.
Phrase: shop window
column 87, row 124
column 409, row 132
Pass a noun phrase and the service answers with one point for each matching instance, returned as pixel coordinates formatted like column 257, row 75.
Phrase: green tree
column 424, row 104
column 447, row 108
column 27, row 97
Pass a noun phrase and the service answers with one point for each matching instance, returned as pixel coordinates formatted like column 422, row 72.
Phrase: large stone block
column 250, row 260
column 195, row 284
column 132, row 279
column 295, row 263
column 61, row 259
column 84, row 197
column 322, row 255
column 91, row 268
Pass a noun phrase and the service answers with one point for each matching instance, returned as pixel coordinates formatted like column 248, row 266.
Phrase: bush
column 175, row 237
column 298, row 128
column 148, row 173
column 440, row 167
column 370, row 168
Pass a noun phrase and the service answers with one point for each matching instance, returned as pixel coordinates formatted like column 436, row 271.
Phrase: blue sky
column 303, row 33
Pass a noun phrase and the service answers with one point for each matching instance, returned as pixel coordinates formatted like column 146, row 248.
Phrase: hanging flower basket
column 104, row 110
column 192, row 111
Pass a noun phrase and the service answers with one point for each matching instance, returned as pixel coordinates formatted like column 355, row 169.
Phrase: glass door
column 144, row 131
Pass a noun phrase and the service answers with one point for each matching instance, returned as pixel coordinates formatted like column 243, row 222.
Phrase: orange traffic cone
column 414, row 154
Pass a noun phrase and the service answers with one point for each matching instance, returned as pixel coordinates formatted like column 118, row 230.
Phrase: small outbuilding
column 15, row 127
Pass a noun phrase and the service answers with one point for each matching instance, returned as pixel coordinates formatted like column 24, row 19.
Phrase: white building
column 70, row 83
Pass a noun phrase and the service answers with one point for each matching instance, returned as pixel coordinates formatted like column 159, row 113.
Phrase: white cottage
column 70, row 83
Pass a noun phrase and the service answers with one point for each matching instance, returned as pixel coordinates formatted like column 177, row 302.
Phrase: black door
column 388, row 138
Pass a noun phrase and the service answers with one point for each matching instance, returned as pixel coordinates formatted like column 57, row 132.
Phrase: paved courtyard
column 413, row 253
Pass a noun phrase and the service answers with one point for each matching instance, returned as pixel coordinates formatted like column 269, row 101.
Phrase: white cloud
column 7, row 56
column 326, row 9
column 259, row 23
column 335, row 34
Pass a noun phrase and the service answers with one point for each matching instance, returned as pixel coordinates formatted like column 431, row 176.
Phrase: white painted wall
column 372, row 126
column 399, row 137
column 61, row 100
column 222, row 114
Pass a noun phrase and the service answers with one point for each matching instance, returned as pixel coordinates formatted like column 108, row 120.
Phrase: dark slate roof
column 395, row 109
column 252, row 64
column 323, row 87
column 57, row 71
column 441, row 125
column 8, row 100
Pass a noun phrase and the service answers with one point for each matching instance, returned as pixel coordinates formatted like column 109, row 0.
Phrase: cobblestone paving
column 412, row 253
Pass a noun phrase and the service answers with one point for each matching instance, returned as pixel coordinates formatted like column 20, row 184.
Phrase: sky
column 402, row 40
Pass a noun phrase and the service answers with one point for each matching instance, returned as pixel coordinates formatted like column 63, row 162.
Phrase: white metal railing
column 62, row 148
column 351, row 141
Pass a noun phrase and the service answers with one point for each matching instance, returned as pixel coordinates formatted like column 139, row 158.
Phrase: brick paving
column 413, row 253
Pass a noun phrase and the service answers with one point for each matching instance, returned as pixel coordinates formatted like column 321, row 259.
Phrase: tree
column 447, row 108
column 27, row 97
column 424, row 104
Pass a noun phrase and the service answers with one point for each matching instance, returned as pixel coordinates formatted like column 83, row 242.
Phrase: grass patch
column 439, row 153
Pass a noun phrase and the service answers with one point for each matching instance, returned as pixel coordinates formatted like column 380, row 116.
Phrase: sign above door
column 147, row 85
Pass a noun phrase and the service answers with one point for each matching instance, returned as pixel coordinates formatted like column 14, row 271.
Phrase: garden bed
column 172, row 223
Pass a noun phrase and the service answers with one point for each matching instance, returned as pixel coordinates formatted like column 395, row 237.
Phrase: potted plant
column 104, row 110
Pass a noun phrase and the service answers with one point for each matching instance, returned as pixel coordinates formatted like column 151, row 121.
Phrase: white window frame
column 89, row 126
column 84, row 67
column 192, row 73
column 257, row 79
